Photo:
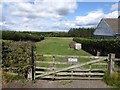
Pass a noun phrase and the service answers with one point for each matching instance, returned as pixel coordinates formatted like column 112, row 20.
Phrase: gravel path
column 59, row 84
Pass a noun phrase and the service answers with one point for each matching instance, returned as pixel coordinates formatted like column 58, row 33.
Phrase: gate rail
column 71, row 72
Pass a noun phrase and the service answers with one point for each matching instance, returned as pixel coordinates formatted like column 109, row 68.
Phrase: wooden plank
column 45, row 68
column 117, row 59
column 51, row 62
column 94, row 57
column 81, row 74
column 56, row 62
column 71, row 78
column 41, row 72
column 99, row 64
column 75, row 70
column 71, row 67
column 86, row 70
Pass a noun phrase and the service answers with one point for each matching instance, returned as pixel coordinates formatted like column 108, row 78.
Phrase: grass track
column 58, row 46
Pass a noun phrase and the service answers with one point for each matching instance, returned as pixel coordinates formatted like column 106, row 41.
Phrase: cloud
column 0, row 12
column 90, row 19
column 49, row 9
column 114, row 6
column 17, row 1
column 31, row 16
column 113, row 14
column 25, row 7
column 97, row 0
column 1, row 23
column 93, row 18
column 48, row 15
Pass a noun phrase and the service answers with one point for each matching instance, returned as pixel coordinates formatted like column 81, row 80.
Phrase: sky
column 54, row 15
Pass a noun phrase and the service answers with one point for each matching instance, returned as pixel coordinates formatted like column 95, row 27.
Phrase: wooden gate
column 57, row 67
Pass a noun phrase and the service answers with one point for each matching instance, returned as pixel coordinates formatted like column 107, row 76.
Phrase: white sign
column 78, row 46
column 72, row 59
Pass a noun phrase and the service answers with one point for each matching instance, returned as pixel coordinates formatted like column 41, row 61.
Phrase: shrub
column 16, row 57
column 112, row 81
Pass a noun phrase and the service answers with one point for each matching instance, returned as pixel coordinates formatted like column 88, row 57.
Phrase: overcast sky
column 54, row 15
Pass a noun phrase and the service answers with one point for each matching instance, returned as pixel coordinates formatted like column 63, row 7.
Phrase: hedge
column 16, row 57
column 104, row 46
column 21, row 36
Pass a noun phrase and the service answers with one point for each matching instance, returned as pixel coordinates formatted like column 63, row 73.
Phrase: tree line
column 21, row 36
column 38, row 36
column 81, row 32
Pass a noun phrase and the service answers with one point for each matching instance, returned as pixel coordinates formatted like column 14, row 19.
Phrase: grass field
column 58, row 46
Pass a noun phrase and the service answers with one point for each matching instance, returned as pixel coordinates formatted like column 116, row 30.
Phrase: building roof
column 113, row 24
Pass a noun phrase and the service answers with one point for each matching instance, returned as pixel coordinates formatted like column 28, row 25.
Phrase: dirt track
column 59, row 84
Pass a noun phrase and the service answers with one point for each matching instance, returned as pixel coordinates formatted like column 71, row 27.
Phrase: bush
column 16, row 57
column 112, row 81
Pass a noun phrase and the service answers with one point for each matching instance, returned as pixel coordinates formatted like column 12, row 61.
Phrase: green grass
column 61, row 59
column 43, row 64
column 62, row 65
column 58, row 46
column 41, row 58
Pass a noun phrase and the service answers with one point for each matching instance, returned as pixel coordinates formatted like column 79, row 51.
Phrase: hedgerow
column 16, row 57
column 21, row 36
column 104, row 46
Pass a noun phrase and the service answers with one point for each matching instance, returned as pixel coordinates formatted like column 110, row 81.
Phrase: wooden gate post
column 111, row 64
column 32, row 64
column 31, row 71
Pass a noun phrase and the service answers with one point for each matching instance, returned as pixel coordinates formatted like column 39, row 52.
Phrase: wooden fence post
column 98, row 53
column 111, row 63
column 53, row 67
column 72, row 71
column 90, row 67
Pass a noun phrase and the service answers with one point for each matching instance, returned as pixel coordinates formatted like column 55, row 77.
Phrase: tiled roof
column 113, row 23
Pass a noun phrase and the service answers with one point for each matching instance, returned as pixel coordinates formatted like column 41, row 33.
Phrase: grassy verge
column 113, row 81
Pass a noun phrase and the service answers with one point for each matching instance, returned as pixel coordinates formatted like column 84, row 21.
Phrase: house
column 107, row 28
